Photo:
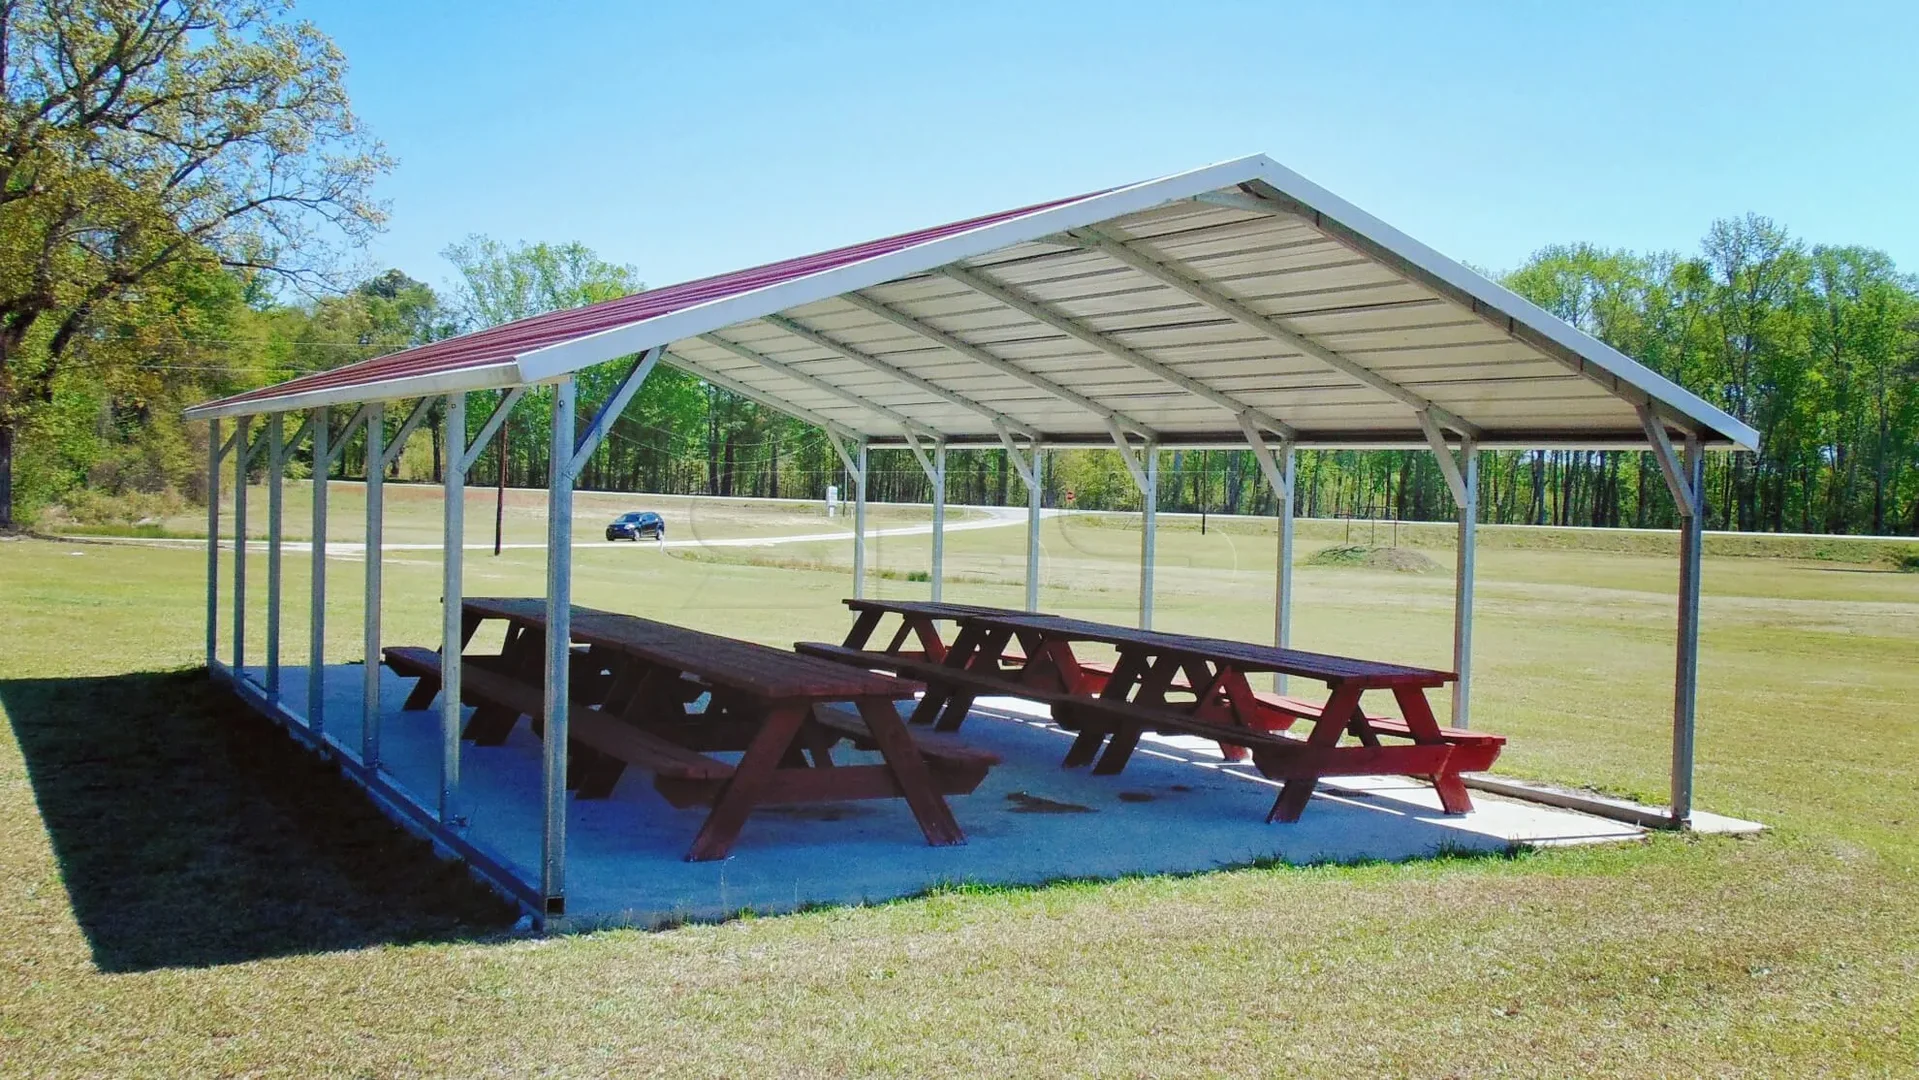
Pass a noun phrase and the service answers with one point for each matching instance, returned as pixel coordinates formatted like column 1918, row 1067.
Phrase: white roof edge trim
column 583, row 352
column 490, row 377
column 1429, row 263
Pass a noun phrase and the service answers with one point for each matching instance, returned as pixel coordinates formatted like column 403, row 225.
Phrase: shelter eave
column 490, row 377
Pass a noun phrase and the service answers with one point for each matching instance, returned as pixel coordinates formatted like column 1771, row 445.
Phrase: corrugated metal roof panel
column 1070, row 311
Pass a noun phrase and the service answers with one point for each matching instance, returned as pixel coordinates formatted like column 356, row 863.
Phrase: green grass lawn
column 185, row 895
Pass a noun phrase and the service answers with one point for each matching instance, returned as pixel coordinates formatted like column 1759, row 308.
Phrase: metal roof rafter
column 867, row 360
column 1174, row 276
column 1033, row 309
column 1007, row 367
column 848, row 396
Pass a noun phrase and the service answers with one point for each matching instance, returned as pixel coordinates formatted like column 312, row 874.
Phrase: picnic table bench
column 633, row 683
column 1190, row 685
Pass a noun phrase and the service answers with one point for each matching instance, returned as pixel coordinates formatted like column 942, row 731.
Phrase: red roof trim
column 501, row 344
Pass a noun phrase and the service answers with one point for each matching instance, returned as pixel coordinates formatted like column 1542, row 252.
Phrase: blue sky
column 692, row 138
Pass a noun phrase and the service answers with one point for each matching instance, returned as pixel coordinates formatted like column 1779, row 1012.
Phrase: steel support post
column 370, row 641
column 241, row 454
column 559, row 646
column 316, row 596
column 1463, row 584
column 1032, row 478
column 859, row 521
column 938, row 576
column 1283, row 499
column 1686, row 677
column 213, row 543
column 452, row 595
column 1148, row 532
column 276, row 470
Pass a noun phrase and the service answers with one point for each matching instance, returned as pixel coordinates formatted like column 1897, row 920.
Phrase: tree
column 141, row 134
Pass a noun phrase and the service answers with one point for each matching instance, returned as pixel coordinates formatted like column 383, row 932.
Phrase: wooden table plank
column 1241, row 654
column 743, row 666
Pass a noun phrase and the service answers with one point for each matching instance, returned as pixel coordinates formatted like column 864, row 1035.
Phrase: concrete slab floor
column 1178, row 808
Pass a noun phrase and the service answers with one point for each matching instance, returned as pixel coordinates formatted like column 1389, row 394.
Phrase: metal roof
column 1191, row 309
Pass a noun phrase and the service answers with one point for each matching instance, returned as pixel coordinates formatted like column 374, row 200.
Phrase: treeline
column 1816, row 347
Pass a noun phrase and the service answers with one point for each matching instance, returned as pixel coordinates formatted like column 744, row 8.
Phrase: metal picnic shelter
column 1233, row 306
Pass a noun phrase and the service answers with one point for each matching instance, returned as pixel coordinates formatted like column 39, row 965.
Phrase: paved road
column 996, row 517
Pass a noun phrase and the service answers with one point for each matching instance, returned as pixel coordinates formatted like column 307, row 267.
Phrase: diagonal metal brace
column 1682, row 494
column 338, row 446
column 1448, row 464
column 1022, row 463
column 610, row 411
column 470, row 456
column 1268, row 464
column 413, row 421
column 1134, row 463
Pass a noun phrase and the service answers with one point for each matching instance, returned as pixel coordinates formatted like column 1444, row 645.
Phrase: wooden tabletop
column 929, row 608
column 1243, row 655
column 744, row 666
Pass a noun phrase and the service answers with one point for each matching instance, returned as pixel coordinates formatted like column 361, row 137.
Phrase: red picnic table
column 633, row 683
column 1194, row 685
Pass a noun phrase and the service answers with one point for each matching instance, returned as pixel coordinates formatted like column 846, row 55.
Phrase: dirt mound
column 1398, row 560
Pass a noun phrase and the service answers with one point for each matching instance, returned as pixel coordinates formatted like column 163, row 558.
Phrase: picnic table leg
column 1152, row 691
column 1296, row 792
column 959, row 705
column 863, row 627
column 1211, row 696
column 742, row 791
column 1086, row 747
column 491, row 724
column 428, row 687
column 899, row 638
column 909, row 768
column 930, row 643
column 972, row 650
column 1418, row 714
column 929, row 705
column 422, row 694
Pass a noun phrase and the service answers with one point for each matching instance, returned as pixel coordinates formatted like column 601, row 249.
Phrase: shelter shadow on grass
column 192, row 832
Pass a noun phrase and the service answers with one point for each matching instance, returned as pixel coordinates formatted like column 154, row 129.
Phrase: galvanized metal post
column 375, row 515
column 241, row 453
column 1283, row 499
column 316, row 596
column 1463, row 585
column 1686, row 678
column 213, row 543
column 859, row 521
column 276, row 469
column 1032, row 530
column 559, row 646
column 938, row 576
column 1148, row 532
column 452, row 595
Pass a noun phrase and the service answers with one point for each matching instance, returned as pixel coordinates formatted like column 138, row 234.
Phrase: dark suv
column 635, row 525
